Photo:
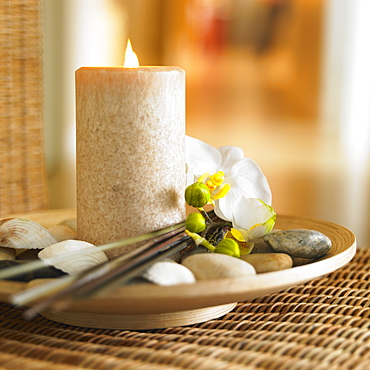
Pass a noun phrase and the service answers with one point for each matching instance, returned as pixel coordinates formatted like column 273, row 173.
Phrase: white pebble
column 168, row 273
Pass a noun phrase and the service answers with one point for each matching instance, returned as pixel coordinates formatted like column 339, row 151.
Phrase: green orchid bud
column 229, row 247
column 197, row 195
column 195, row 223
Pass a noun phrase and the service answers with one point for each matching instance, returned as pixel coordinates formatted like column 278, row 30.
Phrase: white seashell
column 7, row 253
column 62, row 232
column 71, row 222
column 74, row 265
column 217, row 266
column 168, row 273
column 24, row 234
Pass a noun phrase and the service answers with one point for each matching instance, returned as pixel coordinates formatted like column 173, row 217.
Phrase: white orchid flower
column 252, row 219
column 244, row 176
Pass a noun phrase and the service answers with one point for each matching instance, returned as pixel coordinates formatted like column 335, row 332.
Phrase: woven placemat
column 323, row 324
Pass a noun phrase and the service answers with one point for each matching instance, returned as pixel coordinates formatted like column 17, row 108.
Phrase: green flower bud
column 195, row 223
column 228, row 246
column 197, row 195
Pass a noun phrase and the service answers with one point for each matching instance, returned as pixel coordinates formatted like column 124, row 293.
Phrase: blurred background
column 286, row 80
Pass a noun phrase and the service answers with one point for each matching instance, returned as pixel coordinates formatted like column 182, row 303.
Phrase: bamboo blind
column 22, row 166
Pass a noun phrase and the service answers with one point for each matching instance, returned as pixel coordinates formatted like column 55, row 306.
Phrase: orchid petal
column 219, row 213
column 245, row 247
column 230, row 154
column 224, row 206
column 253, row 218
column 250, row 180
column 201, row 157
column 189, row 176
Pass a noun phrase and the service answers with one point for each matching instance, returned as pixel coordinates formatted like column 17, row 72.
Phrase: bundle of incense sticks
column 102, row 279
column 162, row 243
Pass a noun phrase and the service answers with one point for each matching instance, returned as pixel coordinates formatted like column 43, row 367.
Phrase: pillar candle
column 130, row 166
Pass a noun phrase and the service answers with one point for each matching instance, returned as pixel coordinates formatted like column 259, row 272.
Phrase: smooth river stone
column 208, row 266
column 168, row 272
column 267, row 262
column 299, row 243
column 260, row 246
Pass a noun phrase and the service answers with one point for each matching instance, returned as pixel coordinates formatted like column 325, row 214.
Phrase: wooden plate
column 148, row 306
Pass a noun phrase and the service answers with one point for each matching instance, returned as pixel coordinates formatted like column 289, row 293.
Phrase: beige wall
column 77, row 33
column 267, row 103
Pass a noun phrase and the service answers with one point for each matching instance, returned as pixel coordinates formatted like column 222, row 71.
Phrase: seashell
column 62, row 232
column 301, row 243
column 74, row 265
column 71, row 222
column 7, row 253
column 24, row 234
column 217, row 266
column 167, row 272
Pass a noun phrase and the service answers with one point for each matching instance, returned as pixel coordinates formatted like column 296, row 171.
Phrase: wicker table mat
column 323, row 324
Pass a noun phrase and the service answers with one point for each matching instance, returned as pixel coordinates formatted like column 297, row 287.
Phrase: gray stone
column 260, row 246
column 267, row 262
column 299, row 243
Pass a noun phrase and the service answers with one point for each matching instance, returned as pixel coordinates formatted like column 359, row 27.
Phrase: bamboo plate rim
column 149, row 299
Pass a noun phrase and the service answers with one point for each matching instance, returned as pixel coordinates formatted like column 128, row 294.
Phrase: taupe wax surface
column 130, row 130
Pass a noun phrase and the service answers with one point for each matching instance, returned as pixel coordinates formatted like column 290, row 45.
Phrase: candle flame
column 131, row 59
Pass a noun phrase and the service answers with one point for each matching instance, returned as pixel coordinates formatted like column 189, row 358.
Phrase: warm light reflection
column 131, row 59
